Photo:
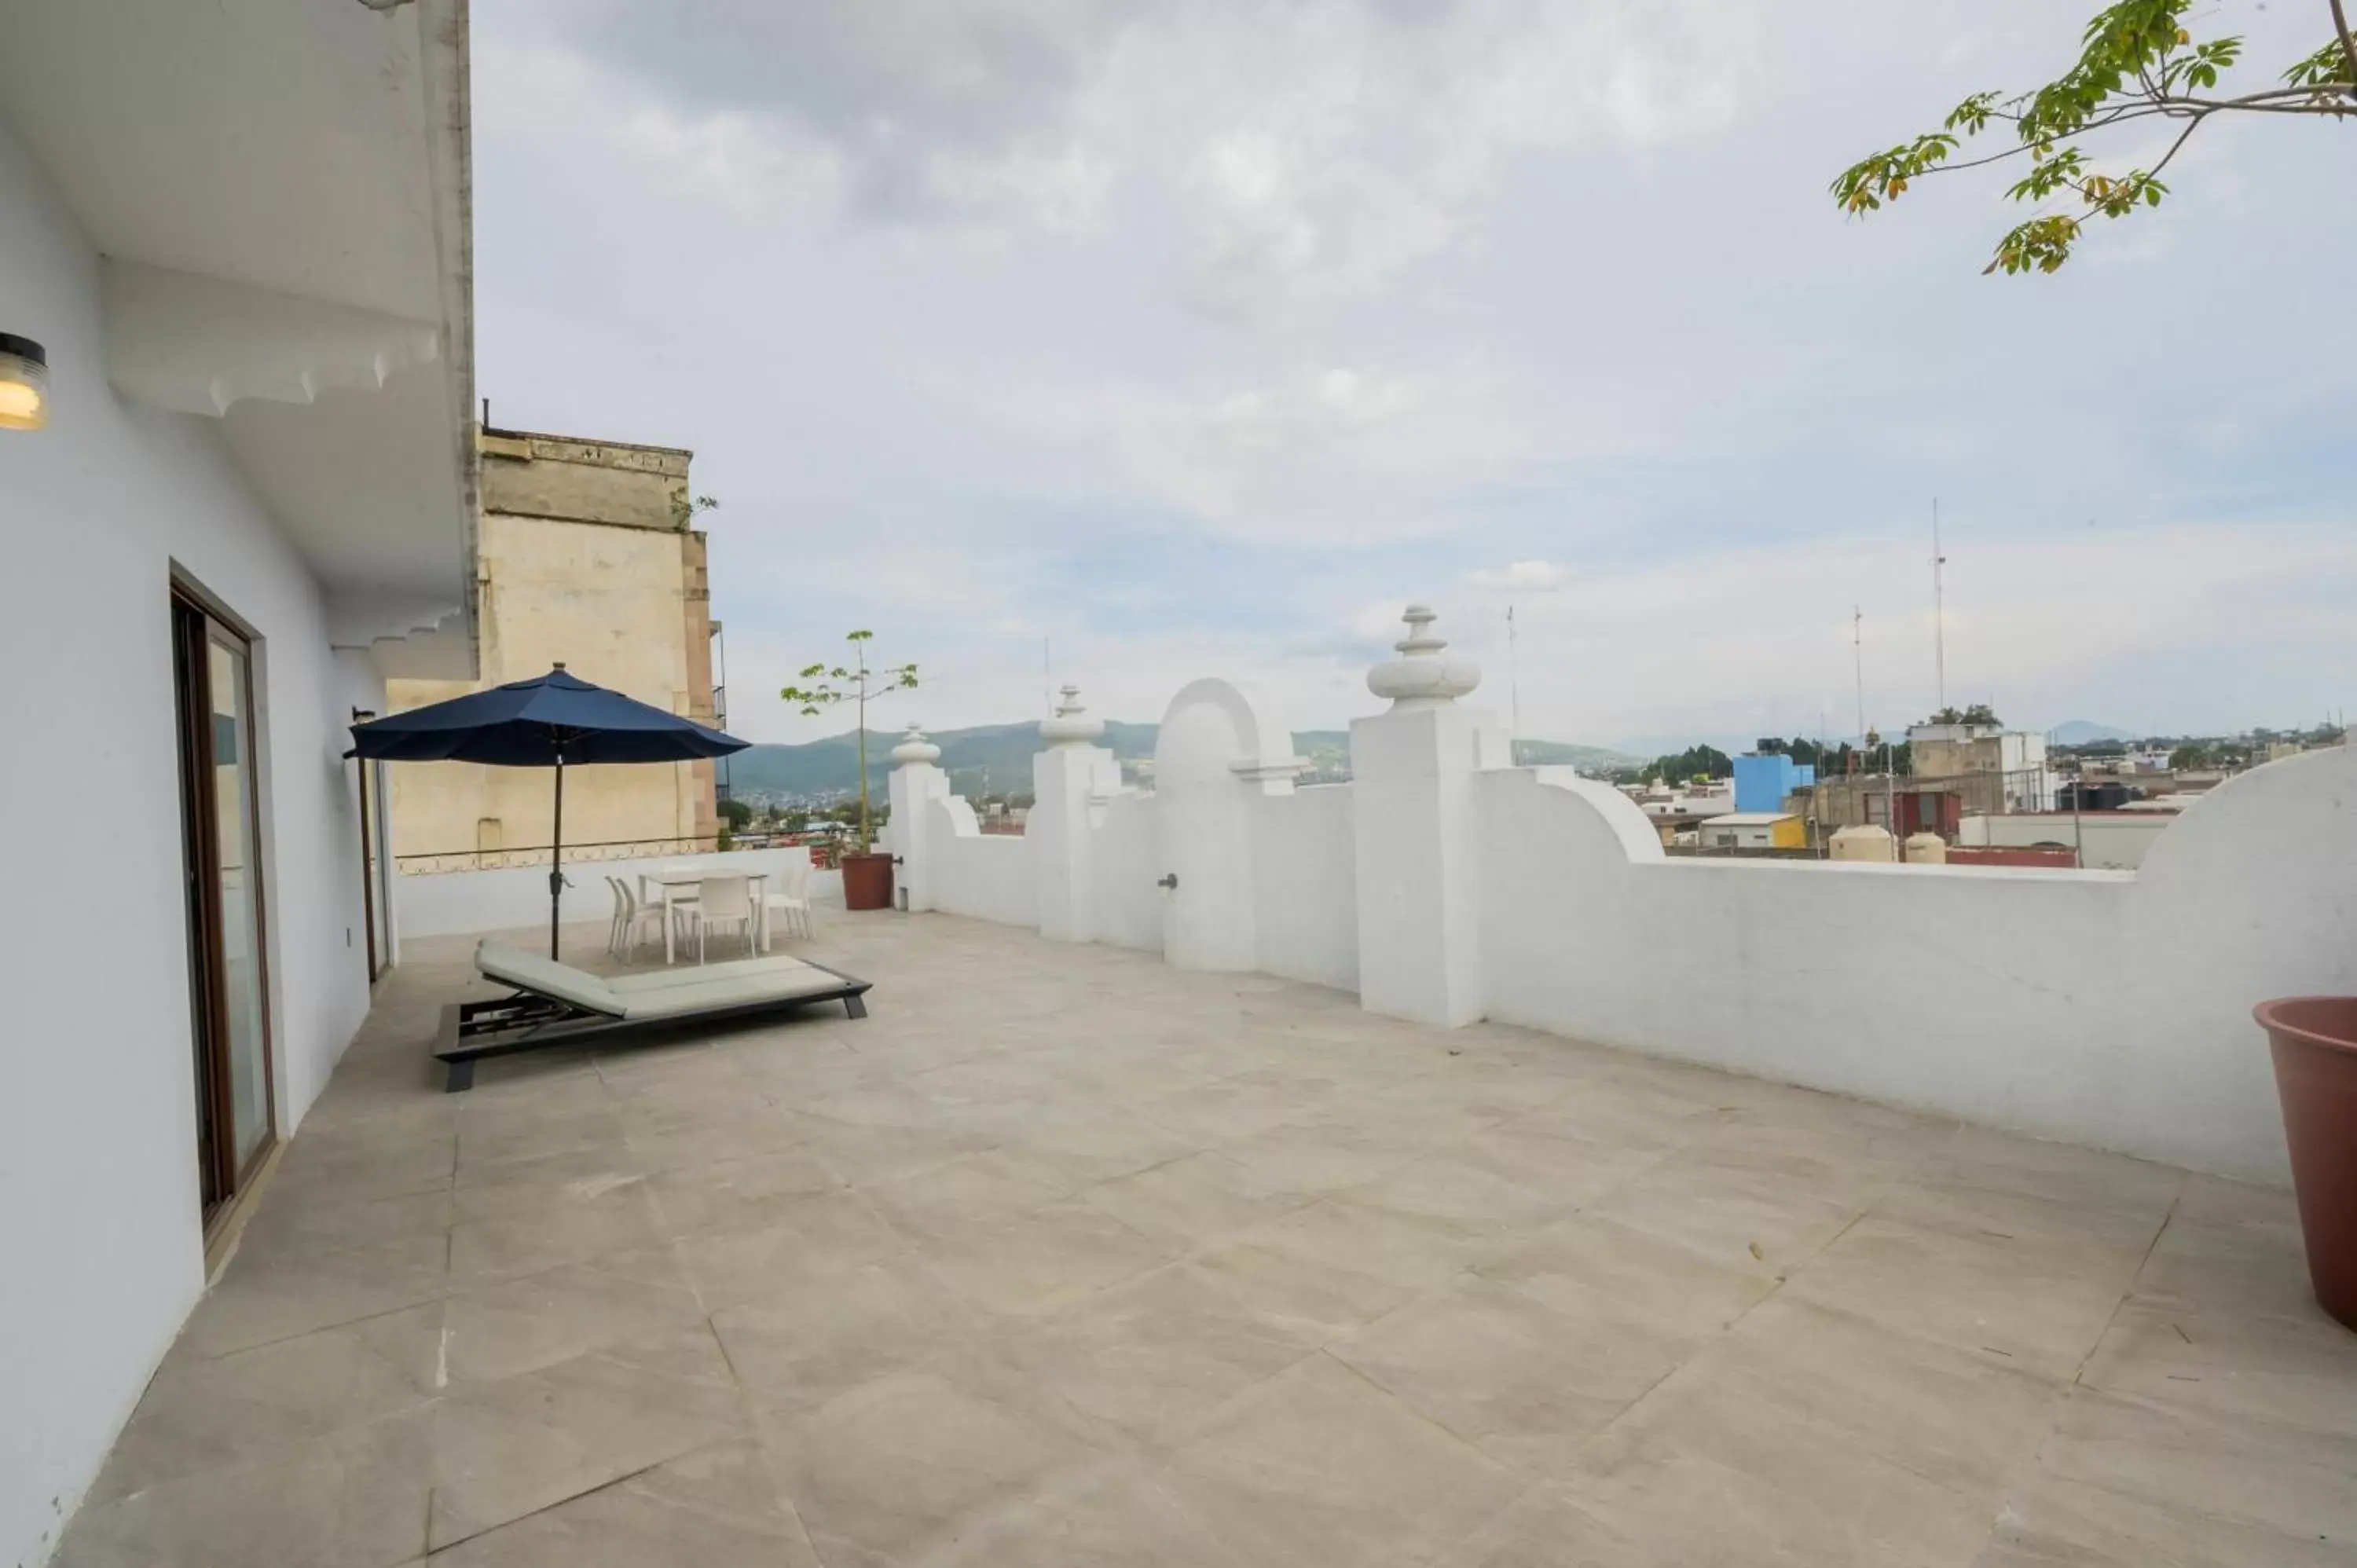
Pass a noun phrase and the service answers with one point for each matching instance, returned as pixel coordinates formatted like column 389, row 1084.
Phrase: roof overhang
column 281, row 192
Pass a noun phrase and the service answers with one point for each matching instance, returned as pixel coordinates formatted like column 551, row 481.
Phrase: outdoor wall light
column 24, row 383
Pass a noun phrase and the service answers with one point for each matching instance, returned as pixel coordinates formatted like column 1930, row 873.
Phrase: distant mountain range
column 2087, row 732
column 822, row 769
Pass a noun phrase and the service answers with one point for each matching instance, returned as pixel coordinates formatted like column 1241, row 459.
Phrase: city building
column 588, row 553
column 1753, row 830
column 1764, row 782
column 1991, row 768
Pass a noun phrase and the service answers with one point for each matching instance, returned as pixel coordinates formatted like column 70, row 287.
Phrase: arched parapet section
column 1222, row 748
column 1218, row 728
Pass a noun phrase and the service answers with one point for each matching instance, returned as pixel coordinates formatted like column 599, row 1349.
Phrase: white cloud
column 1520, row 577
column 1183, row 334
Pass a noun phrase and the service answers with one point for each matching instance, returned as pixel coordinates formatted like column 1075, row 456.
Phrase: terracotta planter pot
column 2314, row 1039
column 866, row 881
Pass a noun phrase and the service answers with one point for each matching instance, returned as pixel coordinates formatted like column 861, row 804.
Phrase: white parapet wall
column 2103, row 1007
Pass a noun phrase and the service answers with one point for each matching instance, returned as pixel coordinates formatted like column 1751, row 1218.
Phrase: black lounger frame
column 528, row 1021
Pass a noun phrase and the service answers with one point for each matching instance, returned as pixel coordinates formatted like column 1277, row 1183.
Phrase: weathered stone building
column 589, row 556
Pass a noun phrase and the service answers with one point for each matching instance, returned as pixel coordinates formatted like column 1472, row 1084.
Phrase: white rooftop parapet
column 1069, row 782
column 915, row 789
column 1417, row 847
column 1423, row 675
column 1070, row 725
column 915, row 748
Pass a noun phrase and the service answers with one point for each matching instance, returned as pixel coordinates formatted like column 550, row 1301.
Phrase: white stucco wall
column 1305, row 888
column 464, row 903
column 101, row 1232
column 2099, row 1007
column 986, row 876
column 1125, row 860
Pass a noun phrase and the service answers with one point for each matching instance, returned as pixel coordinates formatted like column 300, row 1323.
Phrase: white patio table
column 670, row 878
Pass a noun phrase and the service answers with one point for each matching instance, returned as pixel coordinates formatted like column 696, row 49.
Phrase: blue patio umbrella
column 549, row 721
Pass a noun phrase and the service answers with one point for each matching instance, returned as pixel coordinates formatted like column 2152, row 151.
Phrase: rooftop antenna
column 1858, row 656
column 1939, row 614
column 1514, row 693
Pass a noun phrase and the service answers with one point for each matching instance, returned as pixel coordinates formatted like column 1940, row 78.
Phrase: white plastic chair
column 723, row 901
column 792, row 900
column 638, row 922
column 620, row 923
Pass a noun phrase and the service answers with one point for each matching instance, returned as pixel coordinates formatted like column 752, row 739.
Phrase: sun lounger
column 554, row 1003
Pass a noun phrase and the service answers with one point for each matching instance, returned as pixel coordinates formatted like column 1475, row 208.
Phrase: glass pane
column 249, row 1084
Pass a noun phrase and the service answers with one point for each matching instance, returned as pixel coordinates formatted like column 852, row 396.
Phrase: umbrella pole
column 556, row 857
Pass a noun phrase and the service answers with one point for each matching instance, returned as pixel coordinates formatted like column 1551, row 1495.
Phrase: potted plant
column 867, row 876
column 2314, row 1042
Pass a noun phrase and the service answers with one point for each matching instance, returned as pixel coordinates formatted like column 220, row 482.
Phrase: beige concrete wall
column 585, row 558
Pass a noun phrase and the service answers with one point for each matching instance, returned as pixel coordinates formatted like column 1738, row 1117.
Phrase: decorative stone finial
column 914, row 747
column 1071, row 725
column 1423, row 676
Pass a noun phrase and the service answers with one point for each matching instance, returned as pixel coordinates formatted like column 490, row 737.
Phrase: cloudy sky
column 1196, row 338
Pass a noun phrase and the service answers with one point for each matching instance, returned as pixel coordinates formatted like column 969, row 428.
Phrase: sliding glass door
column 221, row 829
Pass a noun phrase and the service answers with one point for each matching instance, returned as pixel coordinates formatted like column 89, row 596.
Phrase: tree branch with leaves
column 2139, row 62
column 826, row 686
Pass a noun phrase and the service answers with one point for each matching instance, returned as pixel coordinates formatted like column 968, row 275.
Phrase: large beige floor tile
column 2175, row 1457
column 1966, row 1419
column 1316, row 1465
column 893, row 1469
column 1046, row 1261
column 1524, row 1384
column 714, row 1507
column 1726, row 1205
column 820, row 1235
column 506, row 1449
column 202, row 1414
column 973, row 1192
column 1591, row 1267
column 1119, row 1513
column 826, row 1334
column 610, row 1219
column 1160, row 1354
column 520, row 1325
column 1416, row 1251
column 2026, row 1302
column 1316, row 1299
column 739, row 1193
column 1697, row 1473
column 1194, row 1200
column 264, row 1297
column 353, row 1498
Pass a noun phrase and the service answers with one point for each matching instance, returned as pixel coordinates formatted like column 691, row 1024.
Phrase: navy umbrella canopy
column 556, row 721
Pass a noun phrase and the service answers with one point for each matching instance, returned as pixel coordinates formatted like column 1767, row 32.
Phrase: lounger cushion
column 546, row 977
column 727, row 992
column 703, row 973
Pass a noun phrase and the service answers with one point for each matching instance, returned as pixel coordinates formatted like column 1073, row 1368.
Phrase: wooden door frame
column 198, row 622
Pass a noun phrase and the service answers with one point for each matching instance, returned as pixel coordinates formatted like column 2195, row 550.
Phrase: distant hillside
column 824, row 768
column 2085, row 732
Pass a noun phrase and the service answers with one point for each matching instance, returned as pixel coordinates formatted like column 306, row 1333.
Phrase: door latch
column 1170, row 880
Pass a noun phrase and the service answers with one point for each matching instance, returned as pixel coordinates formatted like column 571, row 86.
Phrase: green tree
column 2137, row 61
column 737, row 814
column 855, row 684
column 1696, row 762
column 2192, row 755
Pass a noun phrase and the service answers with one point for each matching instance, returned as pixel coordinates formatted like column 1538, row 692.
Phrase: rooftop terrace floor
column 1062, row 1256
